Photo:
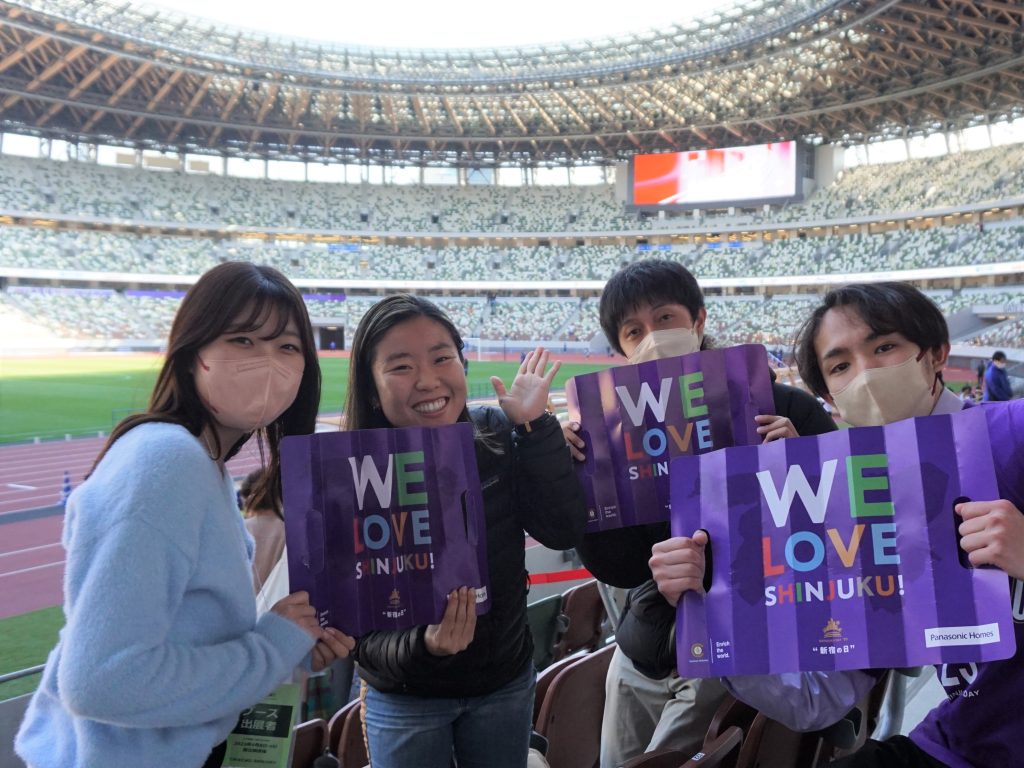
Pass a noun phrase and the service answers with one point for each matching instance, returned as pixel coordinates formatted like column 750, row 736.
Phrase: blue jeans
column 491, row 731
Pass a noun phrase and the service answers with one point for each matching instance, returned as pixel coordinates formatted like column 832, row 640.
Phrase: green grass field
column 82, row 395
column 27, row 639
column 49, row 398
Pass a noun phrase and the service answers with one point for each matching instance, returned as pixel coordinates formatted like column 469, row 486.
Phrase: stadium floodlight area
column 183, row 37
column 825, row 71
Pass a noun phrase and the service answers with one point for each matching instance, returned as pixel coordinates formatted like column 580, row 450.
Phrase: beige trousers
column 641, row 714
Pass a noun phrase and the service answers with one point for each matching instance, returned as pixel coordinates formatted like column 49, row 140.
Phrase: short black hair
column 999, row 355
column 884, row 308
column 651, row 281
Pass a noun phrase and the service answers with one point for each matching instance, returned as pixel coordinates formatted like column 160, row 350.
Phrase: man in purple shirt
column 876, row 353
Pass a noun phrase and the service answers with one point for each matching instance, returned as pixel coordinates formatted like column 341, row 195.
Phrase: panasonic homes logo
column 983, row 634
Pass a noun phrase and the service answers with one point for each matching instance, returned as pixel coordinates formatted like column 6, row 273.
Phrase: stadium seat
column 308, row 742
column 337, row 723
column 544, row 620
column 730, row 713
column 544, row 679
column 660, row 758
column 570, row 717
column 583, row 607
column 345, row 736
column 770, row 744
column 724, row 737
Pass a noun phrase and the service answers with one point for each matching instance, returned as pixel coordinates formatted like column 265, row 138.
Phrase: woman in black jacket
column 463, row 686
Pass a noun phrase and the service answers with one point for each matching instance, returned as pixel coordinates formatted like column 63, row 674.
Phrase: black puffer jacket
column 529, row 485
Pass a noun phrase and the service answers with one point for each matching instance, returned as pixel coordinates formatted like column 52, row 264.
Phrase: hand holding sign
column 774, row 427
column 677, row 565
column 527, row 399
column 455, row 632
column 577, row 445
column 296, row 608
column 993, row 534
column 333, row 645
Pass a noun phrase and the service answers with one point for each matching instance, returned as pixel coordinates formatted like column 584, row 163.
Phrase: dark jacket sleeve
column 394, row 653
column 803, row 409
column 646, row 633
column 619, row 556
column 549, row 498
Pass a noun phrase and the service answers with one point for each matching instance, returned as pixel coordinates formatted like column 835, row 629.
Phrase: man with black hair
column 997, row 382
column 877, row 352
column 649, row 310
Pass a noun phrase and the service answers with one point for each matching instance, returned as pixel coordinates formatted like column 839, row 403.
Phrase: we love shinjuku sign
column 840, row 552
column 636, row 418
column 382, row 524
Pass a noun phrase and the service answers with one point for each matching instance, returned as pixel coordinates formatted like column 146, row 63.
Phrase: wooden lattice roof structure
column 840, row 71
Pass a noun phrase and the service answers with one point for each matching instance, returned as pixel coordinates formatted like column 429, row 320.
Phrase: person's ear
column 939, row 356
column 698, row 325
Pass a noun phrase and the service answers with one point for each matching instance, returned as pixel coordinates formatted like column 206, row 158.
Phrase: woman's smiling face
column 419, row 375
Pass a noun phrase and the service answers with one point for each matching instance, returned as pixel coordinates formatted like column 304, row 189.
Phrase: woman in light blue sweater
column 162, row 648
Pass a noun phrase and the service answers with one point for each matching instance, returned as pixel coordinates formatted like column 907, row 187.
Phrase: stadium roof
column 834, row 70
column 437, row 24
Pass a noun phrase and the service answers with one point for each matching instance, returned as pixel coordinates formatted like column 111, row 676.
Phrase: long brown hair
column 234, row 297
column 360, row 412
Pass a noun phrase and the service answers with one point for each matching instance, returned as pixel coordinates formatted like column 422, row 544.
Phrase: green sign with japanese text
column 262, row 738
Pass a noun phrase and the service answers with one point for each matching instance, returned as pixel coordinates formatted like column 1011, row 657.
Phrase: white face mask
column 880, row 396
column 673, row 342
column 246, row 394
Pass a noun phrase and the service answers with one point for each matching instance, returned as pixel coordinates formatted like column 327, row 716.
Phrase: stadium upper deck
column 86, row 191
column 837, row 71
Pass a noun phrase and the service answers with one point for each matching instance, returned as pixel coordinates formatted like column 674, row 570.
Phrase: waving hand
column 527, row 399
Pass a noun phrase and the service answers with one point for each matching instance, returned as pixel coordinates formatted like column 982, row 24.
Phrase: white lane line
column 33, row 568
column 20, row 487
column 29, row 549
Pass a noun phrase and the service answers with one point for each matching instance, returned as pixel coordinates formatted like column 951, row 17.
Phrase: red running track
column 31, row 556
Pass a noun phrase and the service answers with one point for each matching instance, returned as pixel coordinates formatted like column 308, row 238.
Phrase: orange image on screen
column 655, row 178
column 699, row 177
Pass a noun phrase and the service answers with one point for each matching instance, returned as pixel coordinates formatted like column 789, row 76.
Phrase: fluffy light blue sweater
column 161, row 648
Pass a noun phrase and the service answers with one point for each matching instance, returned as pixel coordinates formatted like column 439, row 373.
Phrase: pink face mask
column 246, row 394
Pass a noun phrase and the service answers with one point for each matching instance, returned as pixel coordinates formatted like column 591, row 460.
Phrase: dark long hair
column 360, row 405
column 887, row 307
column 248, row 495
column 232, row 297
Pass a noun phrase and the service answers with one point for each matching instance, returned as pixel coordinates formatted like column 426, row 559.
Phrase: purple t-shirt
column 979, row 724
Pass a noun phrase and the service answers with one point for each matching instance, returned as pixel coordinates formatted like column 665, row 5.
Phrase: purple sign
column 382, row 524
column 840, row 552
column 636, row 418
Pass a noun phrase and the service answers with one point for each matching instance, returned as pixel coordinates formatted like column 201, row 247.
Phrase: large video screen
column 735, row 175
